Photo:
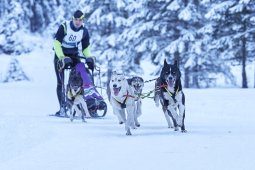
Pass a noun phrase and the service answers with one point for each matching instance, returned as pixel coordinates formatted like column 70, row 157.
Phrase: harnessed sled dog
column 123, row 101
column 169, row 92
column 137, row 84
column 75, row 94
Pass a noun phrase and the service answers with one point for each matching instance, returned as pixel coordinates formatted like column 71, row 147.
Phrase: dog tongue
column 170, row 84
column 116, row 91
column 137, row 88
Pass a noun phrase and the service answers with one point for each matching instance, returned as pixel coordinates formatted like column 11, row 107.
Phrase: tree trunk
column 32, row 19
column 109, row 74
column 58, row 2
column 195, row 75
column 2, row 7
column 254, row 76
column 186, row 77
column 244, row 76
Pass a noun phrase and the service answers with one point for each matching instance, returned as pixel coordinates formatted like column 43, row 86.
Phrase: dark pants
column 60, row 75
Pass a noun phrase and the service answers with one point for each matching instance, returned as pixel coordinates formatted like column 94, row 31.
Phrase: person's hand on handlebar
column 91, row 63
column 63, row 62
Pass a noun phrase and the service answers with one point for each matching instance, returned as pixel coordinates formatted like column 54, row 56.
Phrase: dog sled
column 96, row 105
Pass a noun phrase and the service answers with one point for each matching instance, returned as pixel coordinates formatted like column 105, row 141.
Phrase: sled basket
column 95, row 102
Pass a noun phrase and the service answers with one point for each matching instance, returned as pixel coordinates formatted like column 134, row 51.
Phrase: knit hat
column 78, row 14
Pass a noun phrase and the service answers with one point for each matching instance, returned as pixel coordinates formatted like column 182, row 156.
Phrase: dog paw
column 121, row 122
column 184, row 131
column 176, row 129
column 137, row 125
column 179, row 122
column 88, row 115
column 128, row 132
column 71, row 118
column 157, row 104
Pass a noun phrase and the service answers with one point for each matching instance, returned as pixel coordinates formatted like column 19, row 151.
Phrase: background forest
column 207, row 37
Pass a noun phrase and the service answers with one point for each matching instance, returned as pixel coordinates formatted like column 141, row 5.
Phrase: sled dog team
column 125, row 97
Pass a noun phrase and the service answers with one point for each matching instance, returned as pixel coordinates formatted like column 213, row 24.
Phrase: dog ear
column 165, row 63
column 114, row 72
column 176, row 62
column 123, row 77
column 141, row 79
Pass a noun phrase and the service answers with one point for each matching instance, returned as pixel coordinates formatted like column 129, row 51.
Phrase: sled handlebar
column 83, row 57
column 70, row 65
column 86, row 57
column 96, row 68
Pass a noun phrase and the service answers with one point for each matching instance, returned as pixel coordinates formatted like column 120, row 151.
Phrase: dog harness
column 171, row 94
column 71, row 94
column 137, row 96
column 123, row 104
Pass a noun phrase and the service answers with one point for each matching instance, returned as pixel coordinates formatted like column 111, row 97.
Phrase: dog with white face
column 137, row 84
column 75, row 94
column 122, row 99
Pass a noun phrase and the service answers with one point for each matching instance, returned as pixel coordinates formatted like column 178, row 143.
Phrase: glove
column 90, row 63
column 63, row 62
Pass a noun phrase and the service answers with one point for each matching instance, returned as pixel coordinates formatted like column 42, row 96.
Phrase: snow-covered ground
column 220, row 124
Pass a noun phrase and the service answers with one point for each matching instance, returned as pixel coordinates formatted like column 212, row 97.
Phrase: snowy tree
column 3, row 6
column 15, row 72
column 106, row 22
column 23, row 17
column 232, row 24
column 39, row 14
column 167, row 29
column 11, row 24
column 204, row 36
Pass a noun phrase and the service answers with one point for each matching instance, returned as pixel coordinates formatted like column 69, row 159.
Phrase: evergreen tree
column 15, row 72
column 124, row 33
column 39, row 14
column 3, row 6
column 107, row 20
column 168, row 29
column 233, row 32
column 11, row 24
